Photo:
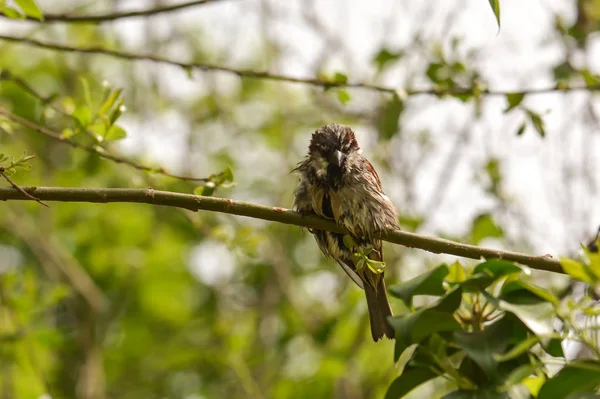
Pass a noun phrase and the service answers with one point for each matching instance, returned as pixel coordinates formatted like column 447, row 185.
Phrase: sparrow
column 337, row 182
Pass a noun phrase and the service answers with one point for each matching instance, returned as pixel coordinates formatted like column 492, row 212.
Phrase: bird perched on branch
column 338, row 183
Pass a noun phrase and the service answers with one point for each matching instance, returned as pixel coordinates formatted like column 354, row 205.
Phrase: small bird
column 338, row 183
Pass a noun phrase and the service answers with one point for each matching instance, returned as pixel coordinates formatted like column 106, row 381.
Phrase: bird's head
column 332, row 152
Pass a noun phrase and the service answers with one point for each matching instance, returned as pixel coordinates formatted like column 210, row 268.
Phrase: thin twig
column 57, row 136
column 326, row 84
column 275, row 214
column 16, row 186
column 52, row 18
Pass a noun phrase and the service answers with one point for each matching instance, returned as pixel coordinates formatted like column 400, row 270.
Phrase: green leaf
column 483, row 227
column 577, row 377
column 428, row 283
column 387, row 121
column 110, row 101
column 385, row 57
column 340, row 78
column 457, row 273
column 405, row 357
column 207, row 190
column 82, row 115
column 521, row 129
column 495, row 4
column 514, row 100
column 511, row 288
column 488, row 272
column 520, row 373
column 536, row 121
column 99, row 131
column 115, row 133
column 414, row 327
column 411, row 223
column 408, row 381
column 488, row 393
column 343, row 96
column 12, row 13
column 576, row 270
column 483, row 346
column 538, row 317
column 30, row 8
column 497, row 268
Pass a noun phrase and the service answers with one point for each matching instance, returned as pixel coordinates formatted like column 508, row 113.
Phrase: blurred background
column 203, row 305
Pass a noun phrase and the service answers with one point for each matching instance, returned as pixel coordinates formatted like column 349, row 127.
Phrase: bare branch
column 53, row 18
column 325, row 84
column 16, row 186
column 275, row 214
column 57, row 136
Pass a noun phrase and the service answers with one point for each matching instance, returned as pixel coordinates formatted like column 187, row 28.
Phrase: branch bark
column 274, row 214
column 316, row 82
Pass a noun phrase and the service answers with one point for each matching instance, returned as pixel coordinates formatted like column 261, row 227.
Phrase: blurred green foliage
column 209, row 306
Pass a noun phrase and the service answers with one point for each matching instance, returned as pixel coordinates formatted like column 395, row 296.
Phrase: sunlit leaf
column 514, row 100
column 495, row 4
column 30, row 8
column 576, row 270
column 115, row 132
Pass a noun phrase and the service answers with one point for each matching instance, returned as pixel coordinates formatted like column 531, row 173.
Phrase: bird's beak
column 337, row 158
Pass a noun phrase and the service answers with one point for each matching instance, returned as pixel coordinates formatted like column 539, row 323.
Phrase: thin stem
column 325, row 84
column 52, row 18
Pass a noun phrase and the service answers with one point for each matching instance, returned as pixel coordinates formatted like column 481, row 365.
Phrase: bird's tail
column 379, row 310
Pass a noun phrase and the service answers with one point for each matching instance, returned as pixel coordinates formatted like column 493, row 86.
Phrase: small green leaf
column 12, row 13
column 115, row 133
column 484, row 227
column 343, row 96
column 457, row 273
column 536, row 121
column 385, row 57
column 349, row 242
column 387, row 121
column 428, row 283
column 30, row 8
column 495, row 4
column 82, row 115
column 521, row 129
column 408, row 381
column 576, row 270
column 110, row 101
column 207, row 190
column 514, row 100
column 340, row 78
column 98, row 130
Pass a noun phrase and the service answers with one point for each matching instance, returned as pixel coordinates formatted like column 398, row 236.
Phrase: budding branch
column 274, row 214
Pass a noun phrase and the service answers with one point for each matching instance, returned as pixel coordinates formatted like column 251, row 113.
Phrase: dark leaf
column 576, row 377
column 384, row 58
column 537, row 122
column 408, row 381
column 428, row 283
column 514, row 100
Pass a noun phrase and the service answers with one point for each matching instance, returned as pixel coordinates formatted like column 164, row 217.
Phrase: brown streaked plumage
column 337, row 182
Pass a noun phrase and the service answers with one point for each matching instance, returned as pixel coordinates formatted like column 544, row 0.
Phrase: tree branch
column 94, row 150
column 52, row 18
column 275, row 214
column 326, row 84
